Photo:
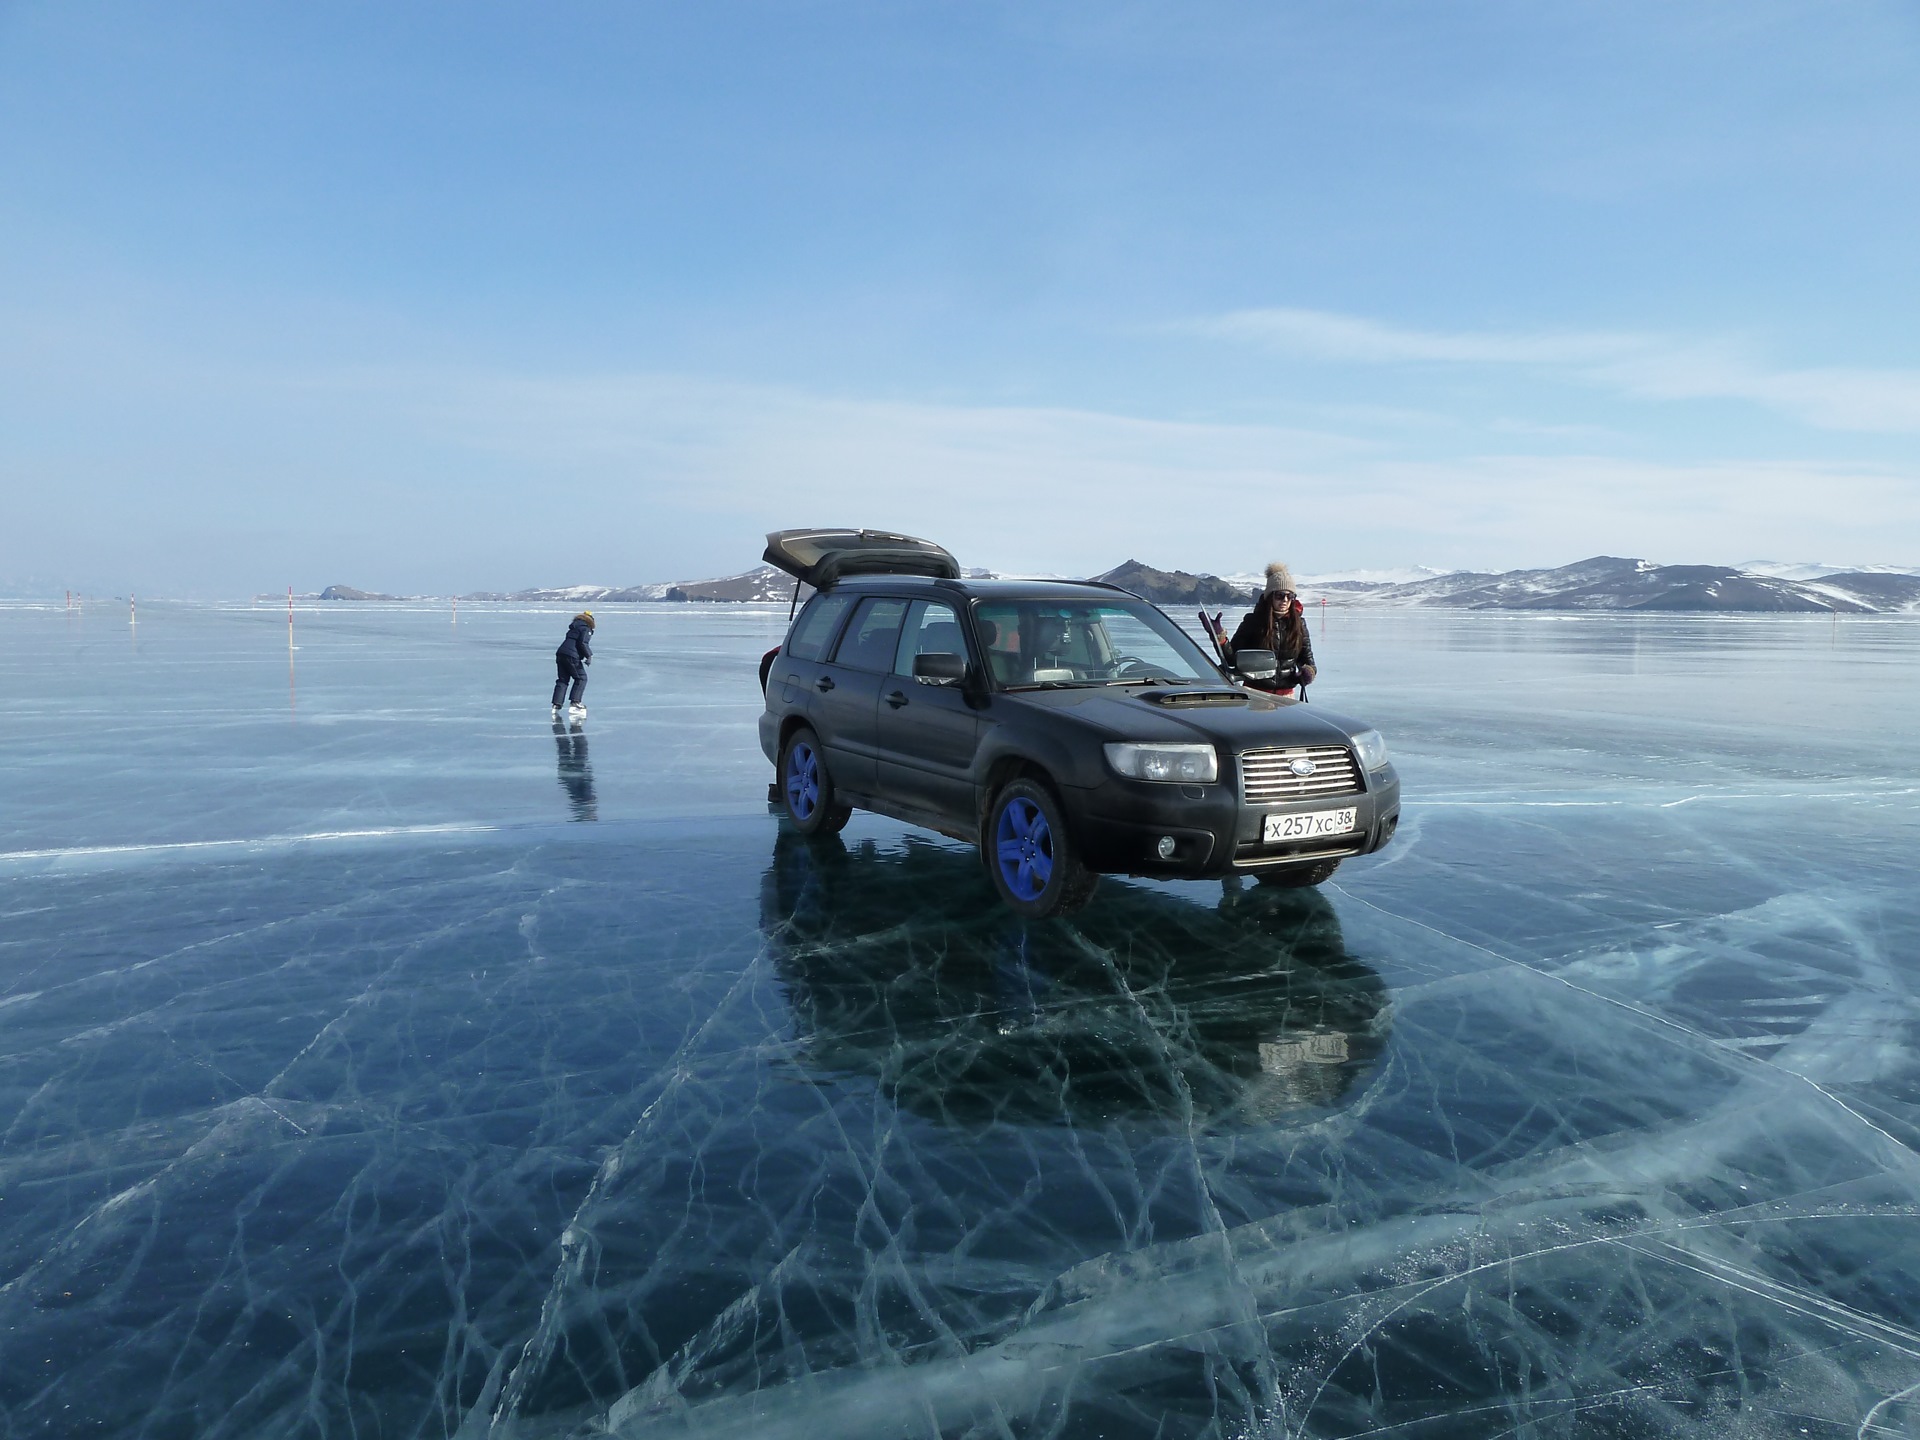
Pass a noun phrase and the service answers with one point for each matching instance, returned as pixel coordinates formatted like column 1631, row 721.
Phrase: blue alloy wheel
column 806, row 784
column 1028, row 849
column 1023, row 842
column 803, row 779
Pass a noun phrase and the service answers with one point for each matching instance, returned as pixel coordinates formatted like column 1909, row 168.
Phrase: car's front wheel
column 807, row 788
column 1299, row 877
column 1030, row 854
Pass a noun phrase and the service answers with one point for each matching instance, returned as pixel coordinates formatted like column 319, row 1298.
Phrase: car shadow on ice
column 899, row 965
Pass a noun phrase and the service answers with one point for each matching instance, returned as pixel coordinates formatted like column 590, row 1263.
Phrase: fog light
column 1165, row 847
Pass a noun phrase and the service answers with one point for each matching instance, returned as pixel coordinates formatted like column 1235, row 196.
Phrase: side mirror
column 1256, row 664
column 939, row 667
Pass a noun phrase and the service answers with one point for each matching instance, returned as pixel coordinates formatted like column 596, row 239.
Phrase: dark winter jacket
column 578, row 644
column 1262, row 630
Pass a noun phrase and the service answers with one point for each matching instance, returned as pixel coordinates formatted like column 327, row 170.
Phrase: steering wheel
column 1132, row 667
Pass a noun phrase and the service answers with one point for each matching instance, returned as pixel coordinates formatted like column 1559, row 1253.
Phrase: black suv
column 1068, row 728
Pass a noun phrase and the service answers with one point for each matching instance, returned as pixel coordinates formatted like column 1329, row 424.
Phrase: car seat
column 1049, row 637
column 1003, row 663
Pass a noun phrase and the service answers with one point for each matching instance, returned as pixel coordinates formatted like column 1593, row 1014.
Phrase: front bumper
column 1119, row 826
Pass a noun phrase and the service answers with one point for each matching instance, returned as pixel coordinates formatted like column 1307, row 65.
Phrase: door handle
column 823, row 684
column 897, row 699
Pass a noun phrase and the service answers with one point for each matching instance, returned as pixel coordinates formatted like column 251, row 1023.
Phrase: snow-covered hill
column 1608, row 582
column 763, row 582
column 1604, row 583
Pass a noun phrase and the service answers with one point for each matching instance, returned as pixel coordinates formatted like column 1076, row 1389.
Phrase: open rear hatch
column 820, row 557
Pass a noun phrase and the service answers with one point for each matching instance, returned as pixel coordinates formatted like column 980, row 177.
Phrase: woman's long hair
column 1286, row 631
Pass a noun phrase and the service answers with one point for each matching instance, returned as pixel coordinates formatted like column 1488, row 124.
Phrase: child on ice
column 571, row 659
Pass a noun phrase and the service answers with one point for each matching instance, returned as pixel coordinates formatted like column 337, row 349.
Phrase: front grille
column 1266, row 779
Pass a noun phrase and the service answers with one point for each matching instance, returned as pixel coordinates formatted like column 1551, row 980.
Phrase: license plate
column 1311, row 826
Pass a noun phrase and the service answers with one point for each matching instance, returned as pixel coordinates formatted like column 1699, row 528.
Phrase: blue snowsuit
column 571, row 660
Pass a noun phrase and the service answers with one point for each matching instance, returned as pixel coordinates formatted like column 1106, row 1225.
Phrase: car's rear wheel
column 1299, row 877
column 807, row 788
column 1030, row 854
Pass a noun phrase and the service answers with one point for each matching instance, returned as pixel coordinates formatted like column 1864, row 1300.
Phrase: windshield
column 1086, row 642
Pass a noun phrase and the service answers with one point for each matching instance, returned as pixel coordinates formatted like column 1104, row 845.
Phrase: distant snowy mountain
column 1174, row 587
column 762, row 583
column 1611, row 583
column 1813, row 570
column 1403, row 575
column 572, row 594
column 1607, row 583
column 1881, row 589
column 1604, row 583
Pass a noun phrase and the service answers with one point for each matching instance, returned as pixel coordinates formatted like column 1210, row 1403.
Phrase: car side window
column 872, row 636
column 813, row 631
column 932, row 629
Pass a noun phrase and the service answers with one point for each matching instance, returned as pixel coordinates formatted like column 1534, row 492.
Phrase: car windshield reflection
column 1043, row 644
column 1148, row 1007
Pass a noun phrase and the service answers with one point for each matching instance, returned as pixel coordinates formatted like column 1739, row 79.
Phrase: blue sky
column 459, row 296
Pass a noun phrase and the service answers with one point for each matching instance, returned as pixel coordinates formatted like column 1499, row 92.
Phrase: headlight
column 1373, row 750
column 1195, row 764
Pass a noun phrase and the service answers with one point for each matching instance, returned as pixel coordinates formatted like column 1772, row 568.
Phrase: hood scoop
column 1195, row 699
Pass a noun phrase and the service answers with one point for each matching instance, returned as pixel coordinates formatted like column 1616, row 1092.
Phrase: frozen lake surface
column 378, row 1059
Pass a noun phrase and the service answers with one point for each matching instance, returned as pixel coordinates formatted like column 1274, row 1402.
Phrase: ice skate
column 556, row 712
column 576, row 712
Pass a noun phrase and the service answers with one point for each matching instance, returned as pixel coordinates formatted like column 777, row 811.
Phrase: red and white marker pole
column 289, row 617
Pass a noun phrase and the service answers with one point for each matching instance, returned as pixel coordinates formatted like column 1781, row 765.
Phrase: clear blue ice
column 378, row 1058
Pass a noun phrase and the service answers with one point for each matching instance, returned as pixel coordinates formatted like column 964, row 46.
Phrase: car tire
column 1030, row 854
column 1299, row 877
column 806, row 789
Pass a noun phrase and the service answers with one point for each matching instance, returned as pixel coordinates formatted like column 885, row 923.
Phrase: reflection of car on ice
column 1067, row 728
column 1151, row 1007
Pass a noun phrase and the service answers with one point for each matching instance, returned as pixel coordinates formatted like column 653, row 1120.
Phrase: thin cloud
column 1324, row 335
column 673, row 476
column 1057, row 488
column 1647, row 367
column 1834, row 398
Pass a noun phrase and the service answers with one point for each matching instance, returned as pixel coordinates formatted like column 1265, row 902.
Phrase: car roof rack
column 820, row 557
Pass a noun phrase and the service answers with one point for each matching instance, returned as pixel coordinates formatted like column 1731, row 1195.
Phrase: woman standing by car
column 1278, row 623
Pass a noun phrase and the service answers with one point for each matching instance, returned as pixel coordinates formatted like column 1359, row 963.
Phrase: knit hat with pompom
column 1279, row 577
